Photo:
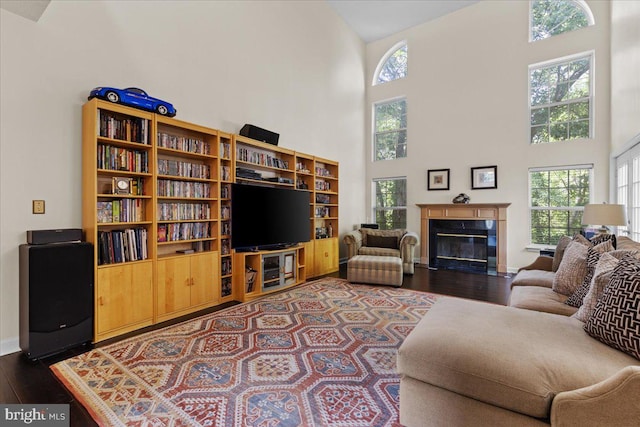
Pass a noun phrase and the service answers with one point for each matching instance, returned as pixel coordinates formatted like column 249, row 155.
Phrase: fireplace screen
column 462, row 245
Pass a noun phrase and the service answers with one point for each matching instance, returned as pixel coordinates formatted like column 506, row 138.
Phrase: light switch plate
column 38, row 206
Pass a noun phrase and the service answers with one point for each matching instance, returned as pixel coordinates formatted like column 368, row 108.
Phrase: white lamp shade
column 604, row 214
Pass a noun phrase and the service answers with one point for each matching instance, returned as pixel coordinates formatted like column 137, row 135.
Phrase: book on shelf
column 124, row 128
column 118, row 246
column 104, row 212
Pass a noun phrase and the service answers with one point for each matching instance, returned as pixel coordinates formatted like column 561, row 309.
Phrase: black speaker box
column 43, row 237
column 254, row 132
column 56, row 297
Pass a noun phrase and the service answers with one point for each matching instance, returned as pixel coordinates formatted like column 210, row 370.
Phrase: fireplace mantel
column 466, row 211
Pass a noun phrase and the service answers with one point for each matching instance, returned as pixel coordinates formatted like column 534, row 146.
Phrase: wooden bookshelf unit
column 157, row 208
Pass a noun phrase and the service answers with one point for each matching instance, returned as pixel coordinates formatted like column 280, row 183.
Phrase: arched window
column 393, row 65
column 548, row 18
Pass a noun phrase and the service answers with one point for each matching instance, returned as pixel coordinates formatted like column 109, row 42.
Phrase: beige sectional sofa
column 470, row 363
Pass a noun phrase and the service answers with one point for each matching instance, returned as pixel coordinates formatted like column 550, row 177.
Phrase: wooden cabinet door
column 309, row 255
column 204, row 275
column 325, row 256
column 174, row 284
column 124, row 298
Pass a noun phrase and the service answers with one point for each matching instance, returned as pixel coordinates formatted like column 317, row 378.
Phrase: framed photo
column 484, row 177
column 438, row 179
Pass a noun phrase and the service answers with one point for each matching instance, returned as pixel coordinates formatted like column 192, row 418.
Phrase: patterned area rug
column 320, row 354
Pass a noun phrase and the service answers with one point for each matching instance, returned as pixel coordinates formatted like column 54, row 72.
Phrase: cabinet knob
column 100, row 301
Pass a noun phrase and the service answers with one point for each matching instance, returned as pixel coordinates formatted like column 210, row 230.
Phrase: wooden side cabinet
column 326, row 256
column 186, row 284
column 124, row 295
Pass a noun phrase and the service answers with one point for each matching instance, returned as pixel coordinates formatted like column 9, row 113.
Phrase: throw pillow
column 593, row 256
column 390, row 242
column 560, row 248
column 595, row 240
column 581, row 239
column 616, row 318
column 572, row 269
column 601, row 278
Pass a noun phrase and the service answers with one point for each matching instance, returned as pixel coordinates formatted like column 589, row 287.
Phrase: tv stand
column 266, row 271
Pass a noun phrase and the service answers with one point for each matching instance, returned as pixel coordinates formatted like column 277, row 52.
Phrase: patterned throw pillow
column 593, row 256
column 595, row 240
column 572, row 269
column 616, row 318
column 601, row 278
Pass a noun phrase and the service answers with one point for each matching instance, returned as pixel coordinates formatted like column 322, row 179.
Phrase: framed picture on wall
column 484, row 177
column 438, row 179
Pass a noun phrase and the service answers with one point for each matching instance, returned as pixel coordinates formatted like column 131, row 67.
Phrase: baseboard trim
column 10, row 345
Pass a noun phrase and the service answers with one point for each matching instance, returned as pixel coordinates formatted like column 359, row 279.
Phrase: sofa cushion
column 533, row 278
column 540, row 299
column 572, row 269
column 514, row 359
column 616, row 319
column 604, row 237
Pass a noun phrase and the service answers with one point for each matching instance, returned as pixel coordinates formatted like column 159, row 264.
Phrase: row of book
column 225, row 266
column 124, row 210
column 183, row 169
column 116, row 158
column 258, row 158
column 129, row 129
column 323, row 186
column 320, row 171
column 183, row 211
column 122, row 245
column 183, row 143
column 225, row 191
column 225, row 173
column 183, row 231
column 226, row 286
column 194, row 190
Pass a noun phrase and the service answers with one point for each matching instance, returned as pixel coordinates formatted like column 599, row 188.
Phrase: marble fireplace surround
column 470, row 211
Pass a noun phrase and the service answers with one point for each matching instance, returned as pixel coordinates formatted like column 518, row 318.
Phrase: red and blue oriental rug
column 320, row 354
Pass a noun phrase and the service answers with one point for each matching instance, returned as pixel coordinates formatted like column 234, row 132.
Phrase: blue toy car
column 134, row 97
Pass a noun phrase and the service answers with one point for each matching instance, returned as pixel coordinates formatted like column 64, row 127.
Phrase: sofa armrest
column 353, row 241
column 543, row 262
column 407, row 248
column 612, row 402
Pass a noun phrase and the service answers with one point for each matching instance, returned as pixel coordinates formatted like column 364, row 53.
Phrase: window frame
column 590, row 55
column 384, row 60
column 374, row 133
column 579, row 3
column 374, row 199
column 531, row 209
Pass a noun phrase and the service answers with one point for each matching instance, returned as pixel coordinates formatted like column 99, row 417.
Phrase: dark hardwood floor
column 27, row 382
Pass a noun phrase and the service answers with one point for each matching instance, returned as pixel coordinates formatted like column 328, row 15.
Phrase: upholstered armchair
column 399, row 243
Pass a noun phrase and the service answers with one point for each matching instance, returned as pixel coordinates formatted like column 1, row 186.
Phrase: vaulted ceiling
column 370, row 19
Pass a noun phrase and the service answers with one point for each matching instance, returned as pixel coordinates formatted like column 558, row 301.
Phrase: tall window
column 390, row 209
column 393, row 65
column 551, row 17
column 628, row 189
column 390, row 138
column 560, row 96
column 557, row 199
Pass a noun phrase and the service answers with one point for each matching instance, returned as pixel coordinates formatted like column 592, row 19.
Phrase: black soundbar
column 44, row 237
column 254, row 132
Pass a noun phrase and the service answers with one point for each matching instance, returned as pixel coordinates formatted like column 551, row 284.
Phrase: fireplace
column 471, row 237
column 463, row 245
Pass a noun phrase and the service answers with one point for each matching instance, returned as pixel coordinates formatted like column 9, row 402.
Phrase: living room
column 297, row 68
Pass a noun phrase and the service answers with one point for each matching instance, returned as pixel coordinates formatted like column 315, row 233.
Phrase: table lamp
column 604, row 214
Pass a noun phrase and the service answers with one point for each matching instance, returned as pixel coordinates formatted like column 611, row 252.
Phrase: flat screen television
column 268, row 217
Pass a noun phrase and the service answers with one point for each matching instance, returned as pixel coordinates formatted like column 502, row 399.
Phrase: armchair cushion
column 390, row 242
column 368, row 233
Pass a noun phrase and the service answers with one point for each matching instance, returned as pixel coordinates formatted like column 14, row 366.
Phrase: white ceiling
column 30, row 9
column 371, row 19
column 376, row 19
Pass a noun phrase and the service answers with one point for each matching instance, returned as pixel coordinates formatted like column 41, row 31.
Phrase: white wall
column 625, row 72
column 292, row 67
column 467, row 104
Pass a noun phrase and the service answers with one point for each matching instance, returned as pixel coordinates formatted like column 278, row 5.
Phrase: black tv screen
column 264, row 217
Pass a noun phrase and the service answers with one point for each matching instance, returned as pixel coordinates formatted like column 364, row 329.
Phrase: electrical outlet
column 38, row 206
